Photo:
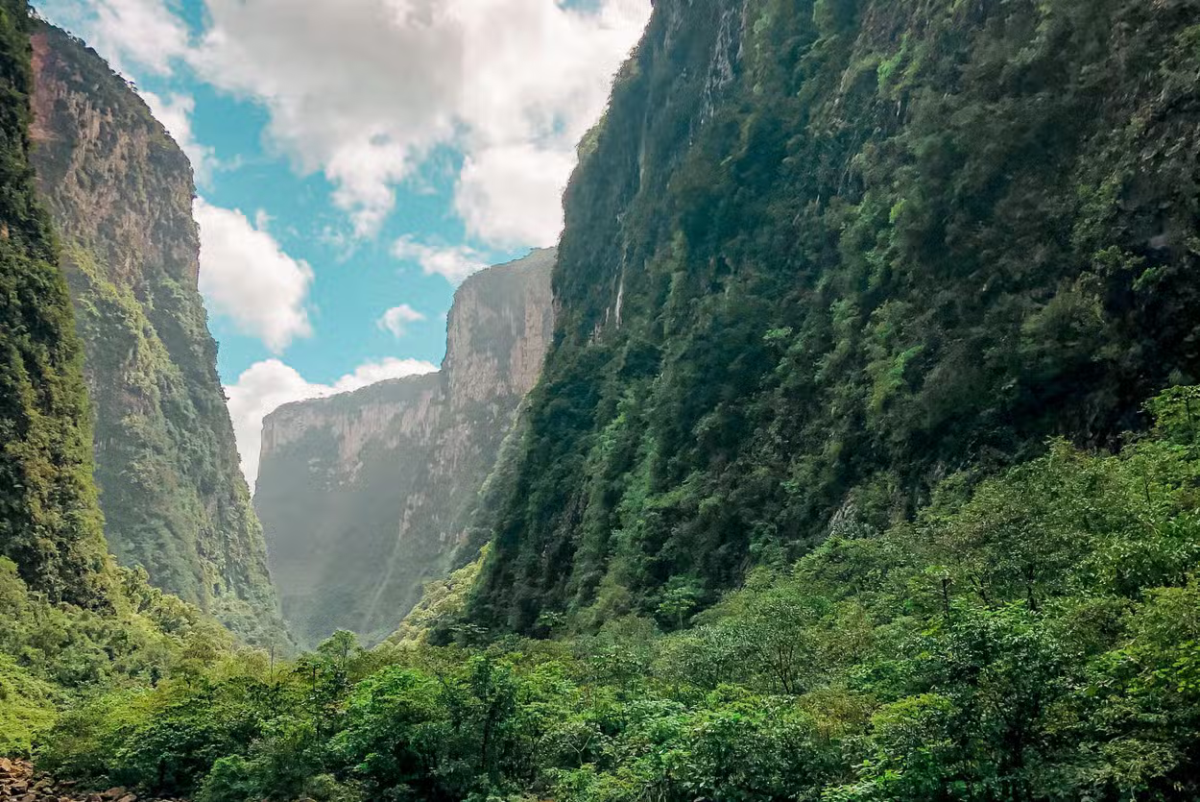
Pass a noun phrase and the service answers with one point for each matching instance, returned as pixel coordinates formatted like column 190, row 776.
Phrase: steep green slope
column 50, row 525
column 819, row 254
column 71, row 622
column 120, row 191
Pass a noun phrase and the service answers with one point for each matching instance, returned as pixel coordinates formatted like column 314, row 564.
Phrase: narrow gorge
column 845, row 449
column 365, row 496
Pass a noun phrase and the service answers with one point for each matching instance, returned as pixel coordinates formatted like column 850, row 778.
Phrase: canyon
column 366, row 496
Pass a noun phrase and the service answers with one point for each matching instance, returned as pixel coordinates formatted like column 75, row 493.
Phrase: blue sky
column 356, row 159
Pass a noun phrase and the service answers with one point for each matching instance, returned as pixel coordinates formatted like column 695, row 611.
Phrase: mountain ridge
column 819, row 256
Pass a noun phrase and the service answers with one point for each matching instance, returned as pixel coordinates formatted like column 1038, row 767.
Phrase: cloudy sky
column 356, row 160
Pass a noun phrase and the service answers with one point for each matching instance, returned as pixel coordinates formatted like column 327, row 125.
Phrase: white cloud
column 454, row 263
column 397, row 318
column 510, row 195
column 370, row 373
column 364, row 90
column 175, row 113
column 268, row 385
column 246, row 276
column 146, row 34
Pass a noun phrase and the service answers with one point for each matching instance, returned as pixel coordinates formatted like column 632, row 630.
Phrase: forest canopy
column 1034, row 636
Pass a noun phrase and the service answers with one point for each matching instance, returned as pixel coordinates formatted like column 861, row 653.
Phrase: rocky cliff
column 820, row 255
column 365, row 496
column 120, row 192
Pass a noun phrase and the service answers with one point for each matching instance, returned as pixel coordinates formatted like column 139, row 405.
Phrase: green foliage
column 441, row 608
column 821, row 255
column 1032, row 636
column 73, row 624
column 28, row 707
column 120, row 194
column 53, row 654
column 50, row 525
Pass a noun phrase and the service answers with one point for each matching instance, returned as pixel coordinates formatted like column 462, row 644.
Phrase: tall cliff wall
column 822, row 253
column 365, row 496
column 120, row 193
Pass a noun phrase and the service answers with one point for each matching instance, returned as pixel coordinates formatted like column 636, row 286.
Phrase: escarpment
column 367, row 495
column 819, row 256
column 120, row 192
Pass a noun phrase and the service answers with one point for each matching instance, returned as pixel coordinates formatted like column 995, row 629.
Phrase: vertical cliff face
column 365, row 496
column 120, row 193
column 821, row 253
column 49, row 522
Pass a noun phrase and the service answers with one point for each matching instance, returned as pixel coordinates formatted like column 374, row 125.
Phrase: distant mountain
column 366, row 496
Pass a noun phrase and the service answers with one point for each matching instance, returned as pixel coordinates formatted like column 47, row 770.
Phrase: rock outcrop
column 366, row 496
column 19, row 782
column 120, row 192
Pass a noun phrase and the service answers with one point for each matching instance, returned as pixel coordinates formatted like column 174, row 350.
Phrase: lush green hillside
column 50, row 525
column 71, row 623
column 120, row 192
column 821, row 254
column 1035, row 637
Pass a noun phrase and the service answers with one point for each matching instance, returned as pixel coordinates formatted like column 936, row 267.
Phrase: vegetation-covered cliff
column 120, row 193
column 820, row 255
column 50, row 525
column 71, row 622
column 366, row 496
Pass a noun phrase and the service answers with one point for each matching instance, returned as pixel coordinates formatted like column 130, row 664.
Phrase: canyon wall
column 365, row 496
column 120, row 192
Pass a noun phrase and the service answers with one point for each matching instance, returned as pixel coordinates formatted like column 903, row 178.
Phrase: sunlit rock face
column 367, row 495
column 120, row 192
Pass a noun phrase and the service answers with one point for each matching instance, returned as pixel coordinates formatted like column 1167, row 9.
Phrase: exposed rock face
column 365, row 496
column 120, row 192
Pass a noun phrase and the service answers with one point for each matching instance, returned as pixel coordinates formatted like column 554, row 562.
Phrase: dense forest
column 1032, row 636
column 864, row 466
